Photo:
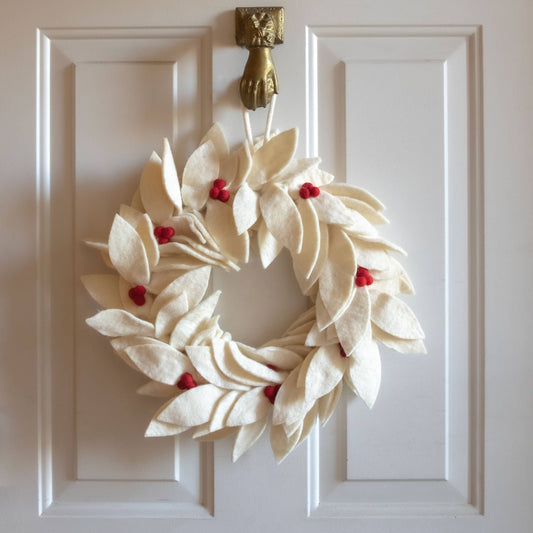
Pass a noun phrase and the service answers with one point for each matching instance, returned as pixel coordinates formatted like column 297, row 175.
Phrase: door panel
column 426, row 104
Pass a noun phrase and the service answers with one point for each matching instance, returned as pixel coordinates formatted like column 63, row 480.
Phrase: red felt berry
column 139, row 289
column 305, row 192
column 224, row 195
column 308, row 185
column 157, row 231
column 219, row 183
column 136, row 294
column 162, row 240
column 341, row 350
column 369, row 279
column 362, row 271
column 360, row 281
column 270, row 392
column 186, row 382
column 167, row 232
column 214, row 193
column 315, row 191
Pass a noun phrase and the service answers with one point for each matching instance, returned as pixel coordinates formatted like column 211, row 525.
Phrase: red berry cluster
column 308, row 190
column 363, row 277
column 218, row 192
column 163, row 234
column 186, row 382
column 270, row 392
column 137, row 295
column 341, row 350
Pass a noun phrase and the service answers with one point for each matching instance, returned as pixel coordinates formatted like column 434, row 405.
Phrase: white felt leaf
column 364, row 369
column 272, row 157
column 250, row 407
column 248, row 435
column 281, row 444
column 400, row 345
column 243, row 357
column 193, row 283
column 216, row 135
column 116, row 323
column 304, row 367
column 327, row 404
column 372, row 256
column 279, row 357
column 229, row 367
column 127, row 252
column 304, row 328
column 169, row 314
column 354, row 324
column 344, row 189
column 297, row 172
column 282, row 217
column 157, row 390
column 200, row 171
column 157, row 428
column 376, row 239
column 160, row 363
column 325, row 370
column 307, row 316
column 315, row 337
column 223, row 409
column 269, row 247
column 182, row 262
column 193, row 407
column 171, row 183
column 188, row 325
column 336, row 282
column 371, row 214
column 131, row 215
column 245, row 208
column 152, row 189
column 202, row 358
column 395, row 317
column 291, row 403
column 306, row 260
column 104, row 289
column 177, row 249
column 308, row 423
column 121, row 343
column 145, row 229
column 323, row 320
column 221, row 225
column 136, row 201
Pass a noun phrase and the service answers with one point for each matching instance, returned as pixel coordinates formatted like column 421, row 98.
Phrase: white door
column 425, row 103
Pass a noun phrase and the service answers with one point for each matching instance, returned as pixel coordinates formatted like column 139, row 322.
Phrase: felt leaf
column 242, row 356
column 315, row 337
column 145, row 229
column 169, row 314
column 269, row 247
column 306, row 260
column 127, row 252
column 304, row 328
column 131, row 215
column 248, row 435
column 171, row 182
column 400, row 345
column 245, row 208
column 202, row 358
column 323, row 320
column 336, row 283
column 176, row 249
column 229, row 367
column 282, row 217
column 221, row 225
column 291, row 403
column 153, row 194
column 188, row 325
column 157, row 390
column 136, row 202
column 376, row 239
column 250, row 407
column 222, row 410
column 325, row 370
column 327, row 404
column 160, row 363
column 308, row 423
column 373, row 257
column 297, row 172
column 182, row 262
column 193, row 284
column 372, row 215
column 104, row 289
column 364, row 370
column 200, row 171
column 216, row 135
column 272, row 157
column 116, row 322
column 193, row 407
column 345, row 189
column 354, row 323
column 395, row 317
column 279, row 357
column 280, row 443
column 157, row 428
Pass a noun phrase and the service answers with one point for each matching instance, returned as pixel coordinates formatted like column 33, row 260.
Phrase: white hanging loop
column 270, row 116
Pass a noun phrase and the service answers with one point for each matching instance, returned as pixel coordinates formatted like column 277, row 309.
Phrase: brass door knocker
column 259, row 29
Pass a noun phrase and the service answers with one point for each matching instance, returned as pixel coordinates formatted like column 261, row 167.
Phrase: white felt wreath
column 163, row 247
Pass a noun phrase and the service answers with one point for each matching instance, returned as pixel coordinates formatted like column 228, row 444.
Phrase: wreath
column 163, row 247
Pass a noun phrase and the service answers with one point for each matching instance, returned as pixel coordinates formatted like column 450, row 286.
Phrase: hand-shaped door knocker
column 259, row 29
